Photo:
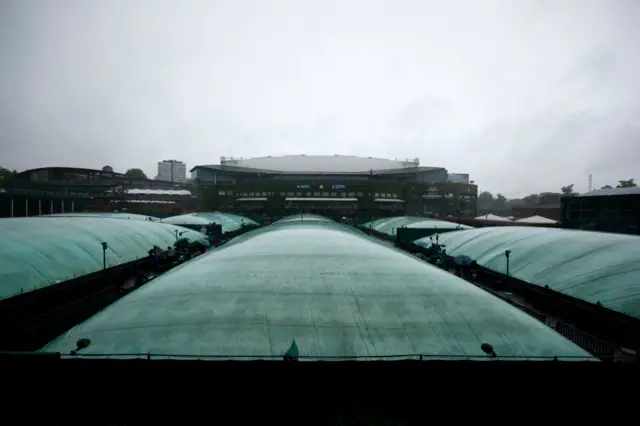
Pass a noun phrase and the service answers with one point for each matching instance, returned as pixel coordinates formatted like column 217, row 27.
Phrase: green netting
column 591, row 266
column 330, row 289
column 38, row 252
column 304, row 217
column 390, row 225
column 229, row 222
column 113, row 215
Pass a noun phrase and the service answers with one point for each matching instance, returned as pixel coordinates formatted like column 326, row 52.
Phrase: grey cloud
column 527, row 96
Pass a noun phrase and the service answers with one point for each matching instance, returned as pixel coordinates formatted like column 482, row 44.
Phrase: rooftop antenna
column 590, row 183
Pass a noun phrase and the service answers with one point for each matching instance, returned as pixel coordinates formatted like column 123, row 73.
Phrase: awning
column 252, row 199
column 345, row 200
column 388, row 200
column 537, row 220
column 492, row 218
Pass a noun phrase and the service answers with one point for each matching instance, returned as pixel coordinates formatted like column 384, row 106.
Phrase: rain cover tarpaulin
column 325, row 286
column 390, row 225
column 229, row 222
column 591, row 266
column 41, row 251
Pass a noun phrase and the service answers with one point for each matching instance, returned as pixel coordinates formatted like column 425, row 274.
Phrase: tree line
column 487, row 201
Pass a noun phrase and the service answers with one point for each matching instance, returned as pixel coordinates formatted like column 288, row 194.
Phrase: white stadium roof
column 319, row 163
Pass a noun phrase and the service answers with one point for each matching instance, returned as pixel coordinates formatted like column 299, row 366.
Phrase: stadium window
column 298, row 194
column 264, row 194
column 308, row 194
column 229, row 192
column 352, row 194
column 334, row 194
column 289, row 194
column 325, row 194
column 377, row 195
column 282, row 194
column 359, row 194
column 251, row 194
column 395, row 195
column 221, row 193
column 316, row 194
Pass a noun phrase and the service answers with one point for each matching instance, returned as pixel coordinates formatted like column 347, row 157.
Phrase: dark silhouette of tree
column 501, row 201
column 485, row 201
column 136, row 173
column 607, row 187
column 549, row 198
column 626, row 183
column 108, row 169
column 567, row 190
column 531, row 200
column 6, row 177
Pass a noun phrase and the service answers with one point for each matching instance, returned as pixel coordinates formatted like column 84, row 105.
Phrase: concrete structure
column 334, row 185
column 172, row 171
column 52, row 190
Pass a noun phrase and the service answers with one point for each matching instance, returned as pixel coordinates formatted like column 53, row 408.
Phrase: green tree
column 109, row 169
column 485, row 201
column 567, row 190
column 607, row 187
column 531, row 200
column 501, row 202
column 136, row 173
column 6, row 177
column 627, row 183
column 549, row 198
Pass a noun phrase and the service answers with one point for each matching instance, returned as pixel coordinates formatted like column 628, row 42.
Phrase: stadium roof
column 335, row 164
column 591, row 266
column 229, row 222
column 390, row 225
column 39, row 252
column 324, row 285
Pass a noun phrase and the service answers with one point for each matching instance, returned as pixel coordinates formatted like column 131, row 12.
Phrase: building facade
column 332, row 185
column 608, row 210
column 51, row 190
column 172, row 171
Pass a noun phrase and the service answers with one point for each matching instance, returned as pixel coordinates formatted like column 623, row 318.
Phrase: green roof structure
column 328, row 288
column 37, row 252
column 390, row 225
column 304, row 217
column 114, row 215
column 229, row 222
column 592, row 266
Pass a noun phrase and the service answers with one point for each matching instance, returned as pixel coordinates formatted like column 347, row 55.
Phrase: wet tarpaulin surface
column 592, row 266
column 326, row 286
column 41, row 251
column 390, row 225
column 229, row 222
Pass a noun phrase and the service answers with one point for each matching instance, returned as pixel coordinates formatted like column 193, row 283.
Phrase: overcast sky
column 526, row 96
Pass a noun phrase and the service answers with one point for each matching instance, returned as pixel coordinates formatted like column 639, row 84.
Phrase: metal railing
column 400, row 357
column 587, row 342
